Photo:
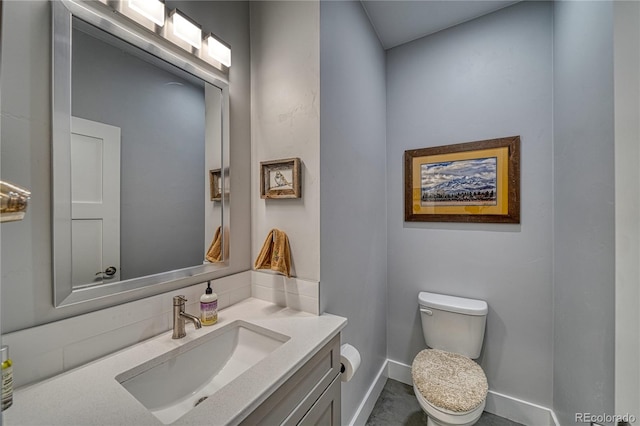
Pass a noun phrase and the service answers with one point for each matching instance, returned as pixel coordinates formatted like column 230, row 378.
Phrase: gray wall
column 583, row 209
column 353, row 237
column 487, row 78
column 26, row 155
column 161, row 118
column 627, row 198
column 285, row 123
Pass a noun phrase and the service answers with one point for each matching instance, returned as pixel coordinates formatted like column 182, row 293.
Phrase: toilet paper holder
column 349, row 361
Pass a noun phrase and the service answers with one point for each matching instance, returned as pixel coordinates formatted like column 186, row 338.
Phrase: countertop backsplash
column 44, row 351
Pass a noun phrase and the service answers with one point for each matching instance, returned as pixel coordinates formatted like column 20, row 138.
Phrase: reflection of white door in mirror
column 95, row 195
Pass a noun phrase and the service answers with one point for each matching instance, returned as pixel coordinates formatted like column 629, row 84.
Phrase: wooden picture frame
column 215, row 184
column 280, row 179
column 467, row 182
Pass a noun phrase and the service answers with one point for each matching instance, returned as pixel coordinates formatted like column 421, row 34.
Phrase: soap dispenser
column 209, row 306
column 7, row 378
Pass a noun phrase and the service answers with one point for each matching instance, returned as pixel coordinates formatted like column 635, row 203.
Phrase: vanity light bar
column 218, row 50
column 186, row 29
column 153, row 10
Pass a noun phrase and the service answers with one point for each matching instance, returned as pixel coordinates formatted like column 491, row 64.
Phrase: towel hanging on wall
column 214, row 254
column 275, row 253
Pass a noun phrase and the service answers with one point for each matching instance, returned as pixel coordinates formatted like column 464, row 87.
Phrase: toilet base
column 440, row 417
column 432, row 422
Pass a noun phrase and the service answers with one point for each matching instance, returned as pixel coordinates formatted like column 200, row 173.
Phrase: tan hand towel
column 275, row 253
column 214, row 254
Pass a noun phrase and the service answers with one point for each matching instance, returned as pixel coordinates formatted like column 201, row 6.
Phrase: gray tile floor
column 398, row 405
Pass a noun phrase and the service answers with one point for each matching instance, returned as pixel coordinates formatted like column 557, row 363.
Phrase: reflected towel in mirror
column 275, row 253
column 214, row 254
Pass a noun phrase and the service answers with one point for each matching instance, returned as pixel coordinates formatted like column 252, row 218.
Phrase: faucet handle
column 179, row 300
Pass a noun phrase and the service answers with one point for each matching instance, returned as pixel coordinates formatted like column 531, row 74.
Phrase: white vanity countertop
column 90, row 395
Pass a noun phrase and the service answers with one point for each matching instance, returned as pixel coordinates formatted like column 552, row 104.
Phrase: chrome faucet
column 180, row 316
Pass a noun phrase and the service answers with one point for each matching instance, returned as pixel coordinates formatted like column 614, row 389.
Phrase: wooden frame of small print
column 467, row 182
column 280, row 179
column 215, row 184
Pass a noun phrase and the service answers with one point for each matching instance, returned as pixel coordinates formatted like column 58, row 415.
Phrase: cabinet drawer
column 327, row 410
column 290, row 402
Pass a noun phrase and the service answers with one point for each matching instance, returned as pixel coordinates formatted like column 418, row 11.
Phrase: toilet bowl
column 442, row 417
column 449, row 386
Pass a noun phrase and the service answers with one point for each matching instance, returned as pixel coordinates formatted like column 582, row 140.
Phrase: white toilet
column 450, row 387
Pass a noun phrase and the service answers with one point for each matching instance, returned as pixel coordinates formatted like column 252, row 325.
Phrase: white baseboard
column 369, row 401
column 400, row 372
column 518, row 410
column 499, row 404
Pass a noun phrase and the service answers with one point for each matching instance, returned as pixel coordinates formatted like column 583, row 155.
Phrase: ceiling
column 400, row 21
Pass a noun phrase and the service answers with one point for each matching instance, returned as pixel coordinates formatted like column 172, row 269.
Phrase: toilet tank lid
column 459, row 305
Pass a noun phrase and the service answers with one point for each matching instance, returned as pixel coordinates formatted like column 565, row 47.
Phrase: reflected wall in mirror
column 160, row 114
column 132, row 152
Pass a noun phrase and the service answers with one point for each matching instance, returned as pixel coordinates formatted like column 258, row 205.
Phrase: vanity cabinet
column 310, row 397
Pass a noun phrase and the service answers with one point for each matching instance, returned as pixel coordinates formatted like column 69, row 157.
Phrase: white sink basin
column 172, row 384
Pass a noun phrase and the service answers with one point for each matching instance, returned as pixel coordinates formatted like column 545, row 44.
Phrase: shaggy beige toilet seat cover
column 448, row 380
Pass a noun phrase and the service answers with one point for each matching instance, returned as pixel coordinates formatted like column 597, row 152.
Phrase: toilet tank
column 453, row 324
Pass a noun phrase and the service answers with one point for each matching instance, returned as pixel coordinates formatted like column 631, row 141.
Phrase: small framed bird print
column 280, row 179
column 215, row 184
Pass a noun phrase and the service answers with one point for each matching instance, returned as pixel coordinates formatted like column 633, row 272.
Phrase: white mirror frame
column 103, row 17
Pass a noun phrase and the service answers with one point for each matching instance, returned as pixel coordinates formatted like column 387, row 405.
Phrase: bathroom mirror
column 139, row 129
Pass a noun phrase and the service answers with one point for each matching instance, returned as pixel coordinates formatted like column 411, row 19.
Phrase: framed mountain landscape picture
column 466, row 182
